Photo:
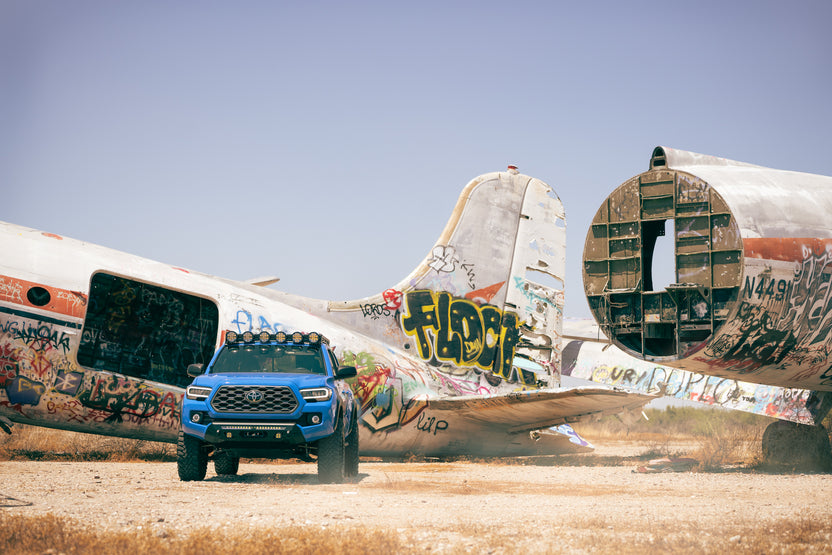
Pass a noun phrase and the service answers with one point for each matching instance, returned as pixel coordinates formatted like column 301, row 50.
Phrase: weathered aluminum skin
column 98, row 341
column 752, row 254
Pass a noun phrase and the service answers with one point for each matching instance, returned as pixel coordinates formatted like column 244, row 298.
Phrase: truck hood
column 300, row 381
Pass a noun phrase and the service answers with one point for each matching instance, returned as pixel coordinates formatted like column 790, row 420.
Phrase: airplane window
column 146, row 331
column 38, row 296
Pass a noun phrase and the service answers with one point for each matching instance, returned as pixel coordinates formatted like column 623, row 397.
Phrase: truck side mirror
column 195, row 370
column 344, row 372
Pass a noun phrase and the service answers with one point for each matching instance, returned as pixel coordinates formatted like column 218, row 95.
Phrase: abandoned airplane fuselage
column 751, row 258
column 458, row 358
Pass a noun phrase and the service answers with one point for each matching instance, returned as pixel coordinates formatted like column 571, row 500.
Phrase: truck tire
column 331, row 456
column 191, row 458
column 225, row 464
column 351, row 450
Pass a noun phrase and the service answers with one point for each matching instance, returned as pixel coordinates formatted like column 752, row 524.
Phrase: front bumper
column 292, row 429
column 250, row 433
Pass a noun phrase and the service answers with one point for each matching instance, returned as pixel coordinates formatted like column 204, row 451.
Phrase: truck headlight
column 196, row 393
column 316, row 394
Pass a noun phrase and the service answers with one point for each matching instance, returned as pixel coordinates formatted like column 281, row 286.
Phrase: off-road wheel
column 191, row 458
column 225, row 464
column 351, row 450
column 331, row 456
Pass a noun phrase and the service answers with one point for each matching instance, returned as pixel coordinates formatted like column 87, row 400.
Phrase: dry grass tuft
column 750, row 536
column 35, row 443
column 672, row 423
column 50, row 534
column 716, row 438
column 729, row 447
column 26, row 535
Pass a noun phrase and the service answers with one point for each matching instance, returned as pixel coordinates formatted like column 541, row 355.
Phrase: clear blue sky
column 214, row 135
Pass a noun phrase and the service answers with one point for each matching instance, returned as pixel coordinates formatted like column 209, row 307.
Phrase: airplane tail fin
column 489, row 294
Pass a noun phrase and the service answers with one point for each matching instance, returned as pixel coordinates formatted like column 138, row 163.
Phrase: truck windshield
column 270, row 358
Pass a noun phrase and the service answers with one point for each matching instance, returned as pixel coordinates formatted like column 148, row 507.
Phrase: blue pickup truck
column 269, row 395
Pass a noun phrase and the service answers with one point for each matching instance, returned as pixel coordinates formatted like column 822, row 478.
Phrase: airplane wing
column 589, row 355
column 537, row 409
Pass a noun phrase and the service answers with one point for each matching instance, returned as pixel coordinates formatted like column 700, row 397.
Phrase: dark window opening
column 38, row 296
column 146, row 331
column 658, row 252
column 658, row 336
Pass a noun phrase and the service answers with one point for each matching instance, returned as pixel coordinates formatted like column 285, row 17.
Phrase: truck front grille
column 255, row 399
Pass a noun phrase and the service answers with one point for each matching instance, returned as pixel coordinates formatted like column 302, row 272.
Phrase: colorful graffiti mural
column 782, row 322
column 39, row 376
column 461, row 332
column 609, row 365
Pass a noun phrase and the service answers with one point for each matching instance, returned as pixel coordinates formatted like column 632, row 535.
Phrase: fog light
column 228, row 435
column 316, row 419
column 196, row 417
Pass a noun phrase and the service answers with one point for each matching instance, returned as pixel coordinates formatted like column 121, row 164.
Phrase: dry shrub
column 38, row 443
column 716, row 438
column 720, row 447
column 676, row 422
column 49, row 534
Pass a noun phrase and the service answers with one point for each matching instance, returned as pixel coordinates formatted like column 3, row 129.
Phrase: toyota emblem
column 254, row 396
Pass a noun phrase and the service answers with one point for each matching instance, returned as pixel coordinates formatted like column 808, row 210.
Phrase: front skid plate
column 219, row 433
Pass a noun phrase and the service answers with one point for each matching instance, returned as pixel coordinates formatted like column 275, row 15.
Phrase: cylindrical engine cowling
column 752, row 256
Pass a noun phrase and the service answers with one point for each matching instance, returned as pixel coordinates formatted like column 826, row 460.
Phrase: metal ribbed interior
column 619, row 262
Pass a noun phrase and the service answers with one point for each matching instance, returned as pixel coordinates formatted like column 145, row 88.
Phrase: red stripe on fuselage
column 786, row 249
column 61, row 301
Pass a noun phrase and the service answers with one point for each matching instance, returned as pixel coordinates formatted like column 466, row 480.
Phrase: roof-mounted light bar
column 298, row 338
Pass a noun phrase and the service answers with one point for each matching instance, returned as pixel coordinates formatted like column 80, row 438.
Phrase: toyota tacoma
column 269, row 395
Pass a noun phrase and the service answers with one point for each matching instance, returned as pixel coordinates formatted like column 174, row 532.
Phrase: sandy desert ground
column 444, row 506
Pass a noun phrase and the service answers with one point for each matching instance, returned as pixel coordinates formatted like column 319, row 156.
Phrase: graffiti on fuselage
column 246, row 321
column 392, row 393
column 386, row 391
column 38, row 376
column 459, row 331
column 781, row 322
column 600, row 366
